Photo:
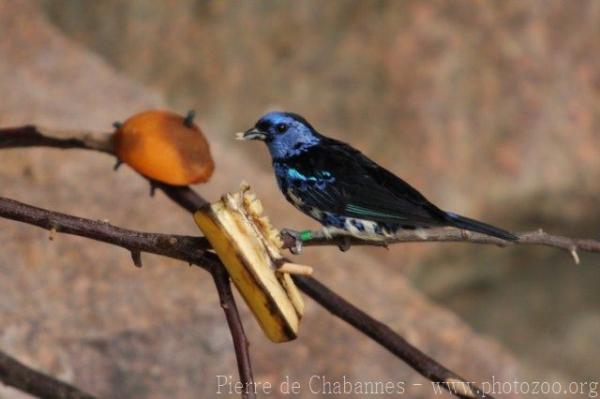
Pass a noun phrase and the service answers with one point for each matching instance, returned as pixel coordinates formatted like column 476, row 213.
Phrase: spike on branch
column 136, row 257
column 52, row 234
column 188, row 121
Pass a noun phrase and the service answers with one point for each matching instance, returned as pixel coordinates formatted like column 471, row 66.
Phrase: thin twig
column 537, row 238
column 185, row 197
column 186, row 248
column 221, row 278
column 35, row 136
column 26, row 379
column 385, row 336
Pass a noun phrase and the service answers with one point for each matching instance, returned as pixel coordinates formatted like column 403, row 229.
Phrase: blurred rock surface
column 490, row 108
column 80, row 310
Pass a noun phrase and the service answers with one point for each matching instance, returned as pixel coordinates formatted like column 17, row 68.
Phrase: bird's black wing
column 360, row 188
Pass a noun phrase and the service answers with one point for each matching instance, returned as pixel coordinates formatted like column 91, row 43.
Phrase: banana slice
column 250, row 250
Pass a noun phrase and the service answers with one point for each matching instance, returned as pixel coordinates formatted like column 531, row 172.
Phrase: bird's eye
column 281, row 128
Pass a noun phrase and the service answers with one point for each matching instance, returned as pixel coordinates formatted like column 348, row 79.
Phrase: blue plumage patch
column 319, row 180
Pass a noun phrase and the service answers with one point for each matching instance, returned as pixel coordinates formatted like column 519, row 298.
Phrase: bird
column 347, row 192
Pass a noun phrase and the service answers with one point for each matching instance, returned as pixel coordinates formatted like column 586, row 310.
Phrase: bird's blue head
column 286, row 134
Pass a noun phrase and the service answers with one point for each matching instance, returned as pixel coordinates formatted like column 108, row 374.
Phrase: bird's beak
column 251, row 134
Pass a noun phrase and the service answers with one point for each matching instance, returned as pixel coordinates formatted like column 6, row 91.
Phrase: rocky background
column 490, row 108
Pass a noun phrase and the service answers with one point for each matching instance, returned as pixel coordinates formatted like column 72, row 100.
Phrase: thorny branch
column 538, row 238
column 29, row 136
column 190, row 250
column 32, row 136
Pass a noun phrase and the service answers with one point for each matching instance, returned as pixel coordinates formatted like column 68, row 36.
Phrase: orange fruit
column 164, row 146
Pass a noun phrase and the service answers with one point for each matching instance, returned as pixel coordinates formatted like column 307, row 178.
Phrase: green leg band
column 305, row 235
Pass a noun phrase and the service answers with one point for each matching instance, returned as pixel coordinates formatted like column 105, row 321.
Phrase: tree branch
column 26, row 379
column 186, row 249
column 190, row 200
column 34, row 136
column 189, row 249
column 537, row 238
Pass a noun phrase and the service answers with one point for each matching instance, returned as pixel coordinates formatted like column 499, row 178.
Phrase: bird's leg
column 306, row 235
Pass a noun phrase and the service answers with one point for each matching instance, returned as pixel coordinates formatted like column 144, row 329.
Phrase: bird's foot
column 293, row 239
column 343, row 241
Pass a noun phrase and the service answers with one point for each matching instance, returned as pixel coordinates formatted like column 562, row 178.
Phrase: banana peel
column 250, row 250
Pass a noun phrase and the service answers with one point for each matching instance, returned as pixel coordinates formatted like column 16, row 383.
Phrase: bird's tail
column 479, row 227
